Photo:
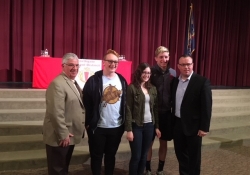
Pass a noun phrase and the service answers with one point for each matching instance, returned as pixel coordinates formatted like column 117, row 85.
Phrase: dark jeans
column 187, row 150
column 139, row 147
column 58, row 159
column 104, row 141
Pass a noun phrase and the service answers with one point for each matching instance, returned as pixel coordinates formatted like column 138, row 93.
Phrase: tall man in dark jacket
column 104, row 99
column 192, row 107
column 161, row 78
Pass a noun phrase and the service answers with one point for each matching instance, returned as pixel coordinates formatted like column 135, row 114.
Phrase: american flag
column 190, row 42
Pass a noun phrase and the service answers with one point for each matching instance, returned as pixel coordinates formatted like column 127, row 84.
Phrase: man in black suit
column 192, row 107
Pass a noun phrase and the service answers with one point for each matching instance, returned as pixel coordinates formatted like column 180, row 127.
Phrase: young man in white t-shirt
column 104, row 100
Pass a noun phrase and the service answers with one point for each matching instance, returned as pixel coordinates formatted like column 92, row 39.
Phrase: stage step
column 22, row 93
column 20, row 128
column 22, row 113
column 22, row 103
column 30, row 159
column 230, row 92
column 36, row 158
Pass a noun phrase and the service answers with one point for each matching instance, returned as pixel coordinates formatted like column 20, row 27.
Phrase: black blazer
column 196, row 107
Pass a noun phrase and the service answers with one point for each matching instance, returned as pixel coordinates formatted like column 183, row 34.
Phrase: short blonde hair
column 110, row 51
column 160, row 49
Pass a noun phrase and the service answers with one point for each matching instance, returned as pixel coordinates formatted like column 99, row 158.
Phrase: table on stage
column 45, row 69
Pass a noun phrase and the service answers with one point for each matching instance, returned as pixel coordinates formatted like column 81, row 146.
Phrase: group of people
column 156, row 103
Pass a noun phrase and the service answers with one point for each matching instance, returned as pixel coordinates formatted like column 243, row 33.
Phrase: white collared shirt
column 181, row 89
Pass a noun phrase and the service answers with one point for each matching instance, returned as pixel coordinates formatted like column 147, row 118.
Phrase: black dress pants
column 104, row 142
column 187, row 150
column 58, row 159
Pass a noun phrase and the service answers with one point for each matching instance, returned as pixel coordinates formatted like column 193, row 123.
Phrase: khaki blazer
column 65, row 112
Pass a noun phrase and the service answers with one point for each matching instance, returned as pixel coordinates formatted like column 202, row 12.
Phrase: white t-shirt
column 147, row 114
column 111, row 103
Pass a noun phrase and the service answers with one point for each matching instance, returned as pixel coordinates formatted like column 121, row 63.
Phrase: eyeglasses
column 111, row 61
column 72, row 65
column 146, row 73
column 184, row 65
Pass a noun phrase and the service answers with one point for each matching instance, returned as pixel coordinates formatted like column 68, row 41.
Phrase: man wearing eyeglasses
column 63, row 125
column 104, row 99
column 192, row 107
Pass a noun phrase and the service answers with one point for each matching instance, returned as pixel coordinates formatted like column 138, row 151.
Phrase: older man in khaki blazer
column 63, row 125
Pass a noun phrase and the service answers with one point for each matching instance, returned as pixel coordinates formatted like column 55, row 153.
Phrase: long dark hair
column 137, row 76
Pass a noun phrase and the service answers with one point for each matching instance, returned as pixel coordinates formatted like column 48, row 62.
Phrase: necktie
column 79, row 89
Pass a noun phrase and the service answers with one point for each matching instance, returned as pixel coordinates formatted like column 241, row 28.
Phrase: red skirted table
column 45, row 69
